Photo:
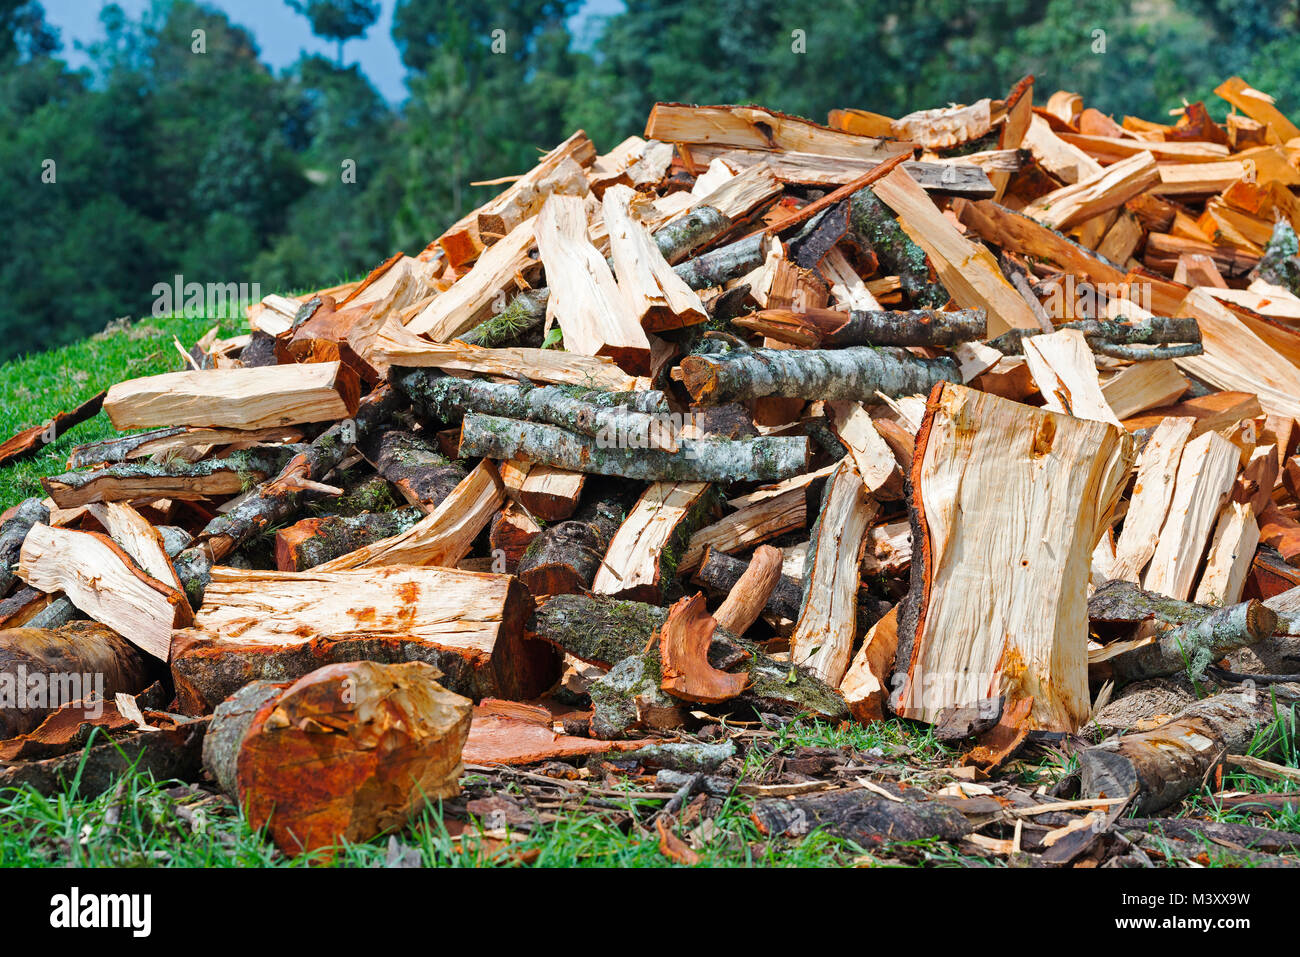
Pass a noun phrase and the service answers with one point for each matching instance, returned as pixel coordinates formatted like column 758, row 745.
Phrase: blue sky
column 282, row 35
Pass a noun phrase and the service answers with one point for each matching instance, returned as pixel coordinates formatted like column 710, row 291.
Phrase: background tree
column 338, row 20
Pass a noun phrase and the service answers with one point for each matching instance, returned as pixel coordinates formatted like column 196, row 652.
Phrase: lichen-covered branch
column 1170, row 337
column 12, row 534
column 877, row 228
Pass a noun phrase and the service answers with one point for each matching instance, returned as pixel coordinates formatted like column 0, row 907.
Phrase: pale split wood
column 1232, row 549
column 876, row 464
column 744, row 603
column 1112, row 187
column 1152, row 493
column 139, row 539
column 1066, row 373
column 633, row 564
column 1205, row 476
column 865, row 687
column 254, row 398
column 658, row 297
column 1010, row 501
column 827, row 625
column 1142, row 386
column 597, row 320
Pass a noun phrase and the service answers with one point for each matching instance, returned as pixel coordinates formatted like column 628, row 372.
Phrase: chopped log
column 596, row 318
column 1009, row 618
column 1142, row 386
column 826, row 627
column 640, row 562
column 44, row 669
column 697, row 460
column 236, row 398
column 967, row 269
column 25, row 605
column 257, row 625
column 29, row 512
column 100, row 578
column 593, row 413
column 181, row 480
column 819, row 328
column 512, row 531
column 751, row 127
column 1192, row 646
column 1210, row 413
column 1160, row 767
column 1255, row 484
column 140, row 540
column 876, row 228
column 1066, row 373
column 659, row 298
column 605, row 631
column 1095, row 194
column 722, row 574
column 510, row 733
column 875, row 460
column 1149, row 505
column 471, row 298
column 1117, row 339
column 1206, row 472
column 29, row 441
column 343, row 754
column 865, row 684
column 443, row 537
column 749, row 595
column 1232, row 548
column 272, row 503
column 565, row 557
column 1282, row 532
column 549, row 494
column 314, row 541
column 684, row 641
column 965, row 177
column 420, row 471
column 856, row 373
column 1258, row 106
column 888, row 550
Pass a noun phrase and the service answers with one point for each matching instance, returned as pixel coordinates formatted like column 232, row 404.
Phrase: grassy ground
column 143, row 822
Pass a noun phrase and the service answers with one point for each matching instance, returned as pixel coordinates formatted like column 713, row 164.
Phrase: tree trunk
column 421, row 473
column 821, row 328
column 314, row 541
column 856, row 373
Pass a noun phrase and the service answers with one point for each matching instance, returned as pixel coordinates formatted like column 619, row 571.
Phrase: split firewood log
column 126, row 481
column 342, row 754
column 421, row 473
column 315, row 541
column 822, row 328
column 749, row 594
column 566, row 557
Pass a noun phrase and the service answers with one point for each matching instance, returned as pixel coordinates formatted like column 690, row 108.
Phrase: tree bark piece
column 1157, row 472
column 102, row 580
column 1205, row 475
column 282, row 625
column 82, row 656
column 856, row 373
column 749, row 595
column 178, row 441
column 565, row 557
column 640, row 563
column 604, row 631
column 142, row 542
column 596, row 318
column 820, row 328
column 177, row 480
column 823, row 635
column 236, row 398
column 858, row 815
column 1162, row 766
column 1022, row 496
column 697, row 460
column 30, row 512
column 443, row 537
column 314, row 541
column 659, row 298
column 343, row 754
column 684, row 641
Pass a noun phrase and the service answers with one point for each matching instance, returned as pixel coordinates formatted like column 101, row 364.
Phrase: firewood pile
column 984, row 418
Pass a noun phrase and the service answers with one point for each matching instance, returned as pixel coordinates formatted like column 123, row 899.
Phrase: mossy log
column 1162, row 766
column 604, row 632
column 1280, row 264
column 314, row 541
column 414, row 464
column 13, row 532
column 277, row 500
column 1169, row 337
column 876, row 228
column 1192, row 646
column 565, row 557
column 230, row 475
column 64, row 665
column 822, row 328
column 856, row 373
column 861, row 816
column 448, row 399
column 720, row 572
column 696, row 460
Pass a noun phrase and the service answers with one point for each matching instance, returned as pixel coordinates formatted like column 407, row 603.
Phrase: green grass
column 36, row 387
